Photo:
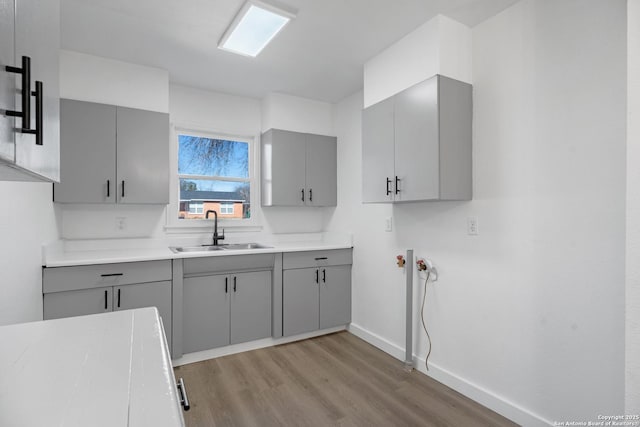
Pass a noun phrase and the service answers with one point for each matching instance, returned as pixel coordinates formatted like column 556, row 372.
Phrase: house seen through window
column 214, row 176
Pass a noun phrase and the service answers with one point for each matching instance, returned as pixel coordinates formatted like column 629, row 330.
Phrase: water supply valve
column 421, row 265
column 400, row 261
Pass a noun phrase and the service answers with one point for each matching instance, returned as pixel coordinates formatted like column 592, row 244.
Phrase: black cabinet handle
column 119, row 297
column 311, row 194
column 123, row 188
column 321, row 258
column 108, row 188
column 39, row 116
column 184, row 400
column 106, row 294
column 302, row 194
column 397, row 186
column 25, row 114
column 324, row 275
column 388, row 189
column 226, row 285
column 111, row 275
column 234, row 283
column 317, row 276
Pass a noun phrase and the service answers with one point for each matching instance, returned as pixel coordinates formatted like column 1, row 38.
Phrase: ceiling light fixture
column 255, row 25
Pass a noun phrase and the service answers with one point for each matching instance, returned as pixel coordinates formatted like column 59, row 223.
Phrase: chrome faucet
column 216, row 237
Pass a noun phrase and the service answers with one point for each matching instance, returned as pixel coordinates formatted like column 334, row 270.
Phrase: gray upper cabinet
column 88, row 162
column 142, row 156
column 30, row 28
column 7, row 80
column 417, row 144
column 322, row 170
column 112, row 154
column 298, row 169
column 378, row 154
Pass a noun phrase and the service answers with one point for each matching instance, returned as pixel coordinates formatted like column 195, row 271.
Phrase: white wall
column 95, row 79
column 280, row 111
column 528, row 316
column 633, row 211
column 27, row 221
column 439, row 46
column 107, row 81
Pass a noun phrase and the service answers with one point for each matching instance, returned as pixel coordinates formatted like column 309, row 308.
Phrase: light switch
column 472, row 226
column 388, row 224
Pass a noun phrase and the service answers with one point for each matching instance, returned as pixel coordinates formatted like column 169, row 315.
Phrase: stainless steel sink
column 204, row 248
column 209, row 248
column 236, row 246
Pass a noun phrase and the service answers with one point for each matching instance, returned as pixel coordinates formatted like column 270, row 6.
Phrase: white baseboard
column 473, row 391
column 248, row 346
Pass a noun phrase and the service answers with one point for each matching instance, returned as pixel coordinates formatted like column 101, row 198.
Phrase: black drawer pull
column 182, row 390
column 106, row 295
column 234, row 283
column 226, row 285
column 317, row 276
column 111, row 275
column 108, row 188
column 321, row 258
column 25, row 113
column 324, row 276
column 302, row 194
column 119, row 297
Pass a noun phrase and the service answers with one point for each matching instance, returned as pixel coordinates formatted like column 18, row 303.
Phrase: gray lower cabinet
column 112, row 154
column 316, row 297
column 225, row 309
column 78, row 303
column 92, row 289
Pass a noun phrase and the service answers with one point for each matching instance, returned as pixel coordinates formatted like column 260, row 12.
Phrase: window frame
column 174, row 224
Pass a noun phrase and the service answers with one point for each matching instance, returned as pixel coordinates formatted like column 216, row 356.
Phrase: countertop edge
column 71, row 259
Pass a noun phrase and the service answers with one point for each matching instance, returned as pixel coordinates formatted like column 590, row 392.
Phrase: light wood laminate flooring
column 332, row 380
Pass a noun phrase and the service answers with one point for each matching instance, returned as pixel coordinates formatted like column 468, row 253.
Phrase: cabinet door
column 77, row 303
column 153, row 294
column 335, row 296
column 7, row 81
column 378, row 152
column 87, row 153
column 205, row 320
column 142, row 156
column 37, row 35
column 321, row 178
column 283, row 174
column 300, row 301
column 417, row 142
column 250, row 306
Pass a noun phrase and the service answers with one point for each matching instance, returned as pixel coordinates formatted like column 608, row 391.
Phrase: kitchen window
column 214, row 173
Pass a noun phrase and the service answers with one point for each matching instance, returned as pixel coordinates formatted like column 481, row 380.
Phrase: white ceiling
column 319, row 55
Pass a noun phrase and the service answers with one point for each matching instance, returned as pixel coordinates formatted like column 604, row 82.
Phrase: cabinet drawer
column 293, row 260
column 59, row 279
column 229, row 263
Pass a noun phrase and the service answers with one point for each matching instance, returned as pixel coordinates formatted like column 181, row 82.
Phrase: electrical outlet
column 472, row 226
column 121, row 223
column 388, row 224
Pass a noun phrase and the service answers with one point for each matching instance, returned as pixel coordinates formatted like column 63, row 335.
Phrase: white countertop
column 59, row 256
column 109, row 369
